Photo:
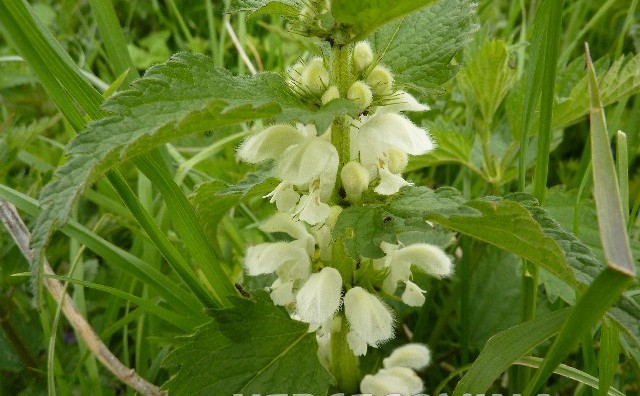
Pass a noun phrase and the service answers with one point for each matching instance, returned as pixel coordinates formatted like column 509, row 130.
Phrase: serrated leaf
column 508, row 225
column 418, row 201
column 487, row 77
column 452, row 147
column 363, row 228
column 257, row 7
column 183, row 96
column 362, row 17
column 621, row 80
column 419, row 48
column 254, row 347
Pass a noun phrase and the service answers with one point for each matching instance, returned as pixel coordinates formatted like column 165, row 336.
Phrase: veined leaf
column 452, row 147
column 257, row 7
column 419, row 48
column 508, row 225
column 183, row 96
column 487, row 78
column 362, row 17
column 621, row 80
column 254, row 347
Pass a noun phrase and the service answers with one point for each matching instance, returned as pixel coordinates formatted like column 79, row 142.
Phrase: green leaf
column 252, row 348
column 487, row 78
column 509, row 225
column 453, row 147
column 608, row 356
column 621, row 80
column 418, row 201
column 505, row 347
column 183, row 96
column 363, row 228
column 361, row 17
column 419, row 48
column 257, row 7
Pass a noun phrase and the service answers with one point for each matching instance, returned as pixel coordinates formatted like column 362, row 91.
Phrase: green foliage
column 361, row 17
column 620, row 81
column 420, row 47
column 250, row 348
column 507, row 346
column 487, row 78
column 257, row 7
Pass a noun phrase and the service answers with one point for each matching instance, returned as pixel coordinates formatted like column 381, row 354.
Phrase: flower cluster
column 308, row 166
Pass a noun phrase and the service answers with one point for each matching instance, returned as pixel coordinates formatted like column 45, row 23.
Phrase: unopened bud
column 330, row 94
column 362, row 55
column 398, row 160
column 315, row 76
column 361, row 94
column 380, row 80
column 355, row 179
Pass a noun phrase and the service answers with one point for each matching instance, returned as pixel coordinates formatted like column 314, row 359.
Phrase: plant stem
column 344, row 364
column 341, row 77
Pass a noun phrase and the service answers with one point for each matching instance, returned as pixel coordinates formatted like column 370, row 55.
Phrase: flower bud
column 398, row 160
column 361, row 94
column 362, row 55
column 315, row 76
column 355, row 179
column 330, row 94
column 380, row 80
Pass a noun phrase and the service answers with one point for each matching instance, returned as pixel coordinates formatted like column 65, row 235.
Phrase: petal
column 389, row 183
column 413, row 356
column 301, row 163
column 312, row 210
column 284, row 222
column 398, row 271
column 384, row 130
column 413, row 296
column 402, row 101
column 294, row 269
column 319, row 297
column 429, row 258
column 284, row 196
column 393, row 381
column 357, row 345
column 265, row 258
column 368, row 317
column 269, row 144
column 282, row 293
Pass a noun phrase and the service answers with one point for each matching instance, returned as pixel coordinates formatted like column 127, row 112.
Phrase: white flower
column 319, row 297
column 315, row 76
column 269, row 143
column 282, row 293
column 303, row 160
column 413, row 296
column 330, row 94
column 376, row 138
column 283, row 222
column 402, row 101
column 369, row 319
column 361, row 94
column 429, row 258
column 390, row 183
column 413, row 356
column 392, row 381
column 267, row 258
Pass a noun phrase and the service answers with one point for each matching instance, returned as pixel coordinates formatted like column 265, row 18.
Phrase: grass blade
column 620, row 272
